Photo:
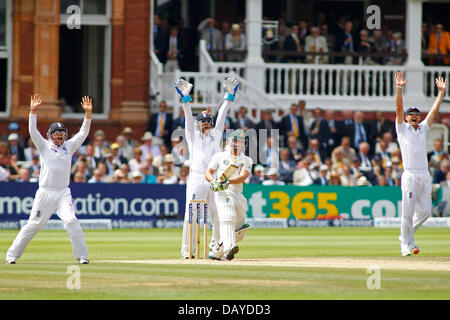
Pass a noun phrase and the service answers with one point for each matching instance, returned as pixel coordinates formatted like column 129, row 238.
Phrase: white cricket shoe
column 83, row 261
column 10, row 261
column 216, row 252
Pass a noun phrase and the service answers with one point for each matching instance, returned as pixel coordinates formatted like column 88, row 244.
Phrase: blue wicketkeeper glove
column 183, row 88
column 231, row 86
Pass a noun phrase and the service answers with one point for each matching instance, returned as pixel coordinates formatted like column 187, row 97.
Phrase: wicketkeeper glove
column 231, row 86
column 183, row 88
column 224, row 184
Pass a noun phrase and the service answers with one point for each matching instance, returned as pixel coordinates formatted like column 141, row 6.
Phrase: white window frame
column 97, row 20
column 6, row 52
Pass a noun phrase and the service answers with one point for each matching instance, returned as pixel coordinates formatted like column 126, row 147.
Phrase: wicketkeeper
column 53, row 195
column 231, row 204
column 204, row 140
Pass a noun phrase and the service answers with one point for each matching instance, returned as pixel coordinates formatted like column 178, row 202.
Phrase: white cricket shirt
column 203, row 147
column 220, row 161
column 56, row 161
column 413, row 145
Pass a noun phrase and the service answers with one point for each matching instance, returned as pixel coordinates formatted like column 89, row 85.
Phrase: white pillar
column 414, row 65
column 254, row 61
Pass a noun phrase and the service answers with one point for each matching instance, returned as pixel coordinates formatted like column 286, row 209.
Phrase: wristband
column 186, row 98
column 399, row 87
column 229, row 97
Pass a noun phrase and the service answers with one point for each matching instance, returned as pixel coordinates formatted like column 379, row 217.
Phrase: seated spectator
column 14, row 127
column 436, row 155
column 378, row 44
column 34, row 168
column 90, row 160
column 14, row 147
column 347, row 177
column 391, row 146
column 168, row 176
column 136, row 177
column 242, row 121
column 316, row 43
column 381, row 181
column 380, row 126
column 319, row 155
column 258, row 175
column 397, row 169
column 79, row 178
column 97, row 177
column 100, row 145
column 286, row 166
column 335, row 179
column 81, row 166
column 24, row 175
column 169, row 161
column 30, row 151
column 439, row 43
column 396, row 45
column 292, row 125
column 347, row 152
column 13, row 167
column 334, row 135
column 148, row 146
column 366, row 167
column 136, row 163
column 120, row 177
column 365, row 46
column 184, row 175
column 272, row 178
column 295, row 152
column 322, row 179
column 337, row 159
column 356, row 164
column 441, row 173
column 180, row 151
column 302, row 175
column 387, row 172
column 235, row 40
column 179, row 123
column 148, row 177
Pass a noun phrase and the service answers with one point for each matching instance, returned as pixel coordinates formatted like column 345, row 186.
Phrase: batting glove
column 231, row 87
column 214, row 185
column 183, row 88
column 224, row 185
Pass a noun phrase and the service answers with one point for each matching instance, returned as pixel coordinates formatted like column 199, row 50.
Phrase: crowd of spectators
column 312, row 148
column 176, row 45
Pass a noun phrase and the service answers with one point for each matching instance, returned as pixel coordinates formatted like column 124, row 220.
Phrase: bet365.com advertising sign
column 318, row 202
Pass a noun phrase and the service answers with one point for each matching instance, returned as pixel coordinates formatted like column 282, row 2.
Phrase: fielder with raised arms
column 54, row 194
column 231, row 204
column 416, row 179
column 203, row 141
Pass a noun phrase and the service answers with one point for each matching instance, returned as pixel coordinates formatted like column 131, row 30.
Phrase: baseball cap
column 203, row 116
column 413, row 110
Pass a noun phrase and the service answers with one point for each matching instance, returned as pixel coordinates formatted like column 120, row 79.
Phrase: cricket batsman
column 204, row 140
column 416, row 179
column 231, row 204
column 53, row 194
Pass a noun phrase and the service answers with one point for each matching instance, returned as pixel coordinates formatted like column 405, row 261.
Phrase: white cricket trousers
column 198, row 186
column 231, row 208
column 416, row 203
column 47, row 202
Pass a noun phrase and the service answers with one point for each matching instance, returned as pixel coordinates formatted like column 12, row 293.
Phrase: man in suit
column 322, row 179
column 366, row 166
column 345, row 43
column 292, row 43
column 381, row 125
column 435, row 156
column 14, row 147
column 320, row 130
column 174, row 50
column 286, row 166
column 396, row 45
column 439, row 44
column 212, row 35
column 178, row 123
column 242, row 122
column 335, row 137
column 160, row 123
column 319, row 155
column 292, row 125
column 345, row 126
column 295, row 153
column 360, row 131
column 160, row 37
column 316, row 43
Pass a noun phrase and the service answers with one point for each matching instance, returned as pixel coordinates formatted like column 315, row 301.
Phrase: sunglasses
column 205, row 121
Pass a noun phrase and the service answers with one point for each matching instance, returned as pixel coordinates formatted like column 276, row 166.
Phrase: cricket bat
column 229, row 171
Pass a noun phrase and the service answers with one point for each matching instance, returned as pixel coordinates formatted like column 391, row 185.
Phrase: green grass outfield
column 294, row 263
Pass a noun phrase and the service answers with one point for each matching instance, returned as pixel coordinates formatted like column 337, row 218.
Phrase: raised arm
column 78, row 139
column 441, row 85
column 183, row 88
column 231, row 86
column 36, row 137
column 399, row 84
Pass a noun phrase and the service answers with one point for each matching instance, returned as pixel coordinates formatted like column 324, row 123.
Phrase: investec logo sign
column 95, row 205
